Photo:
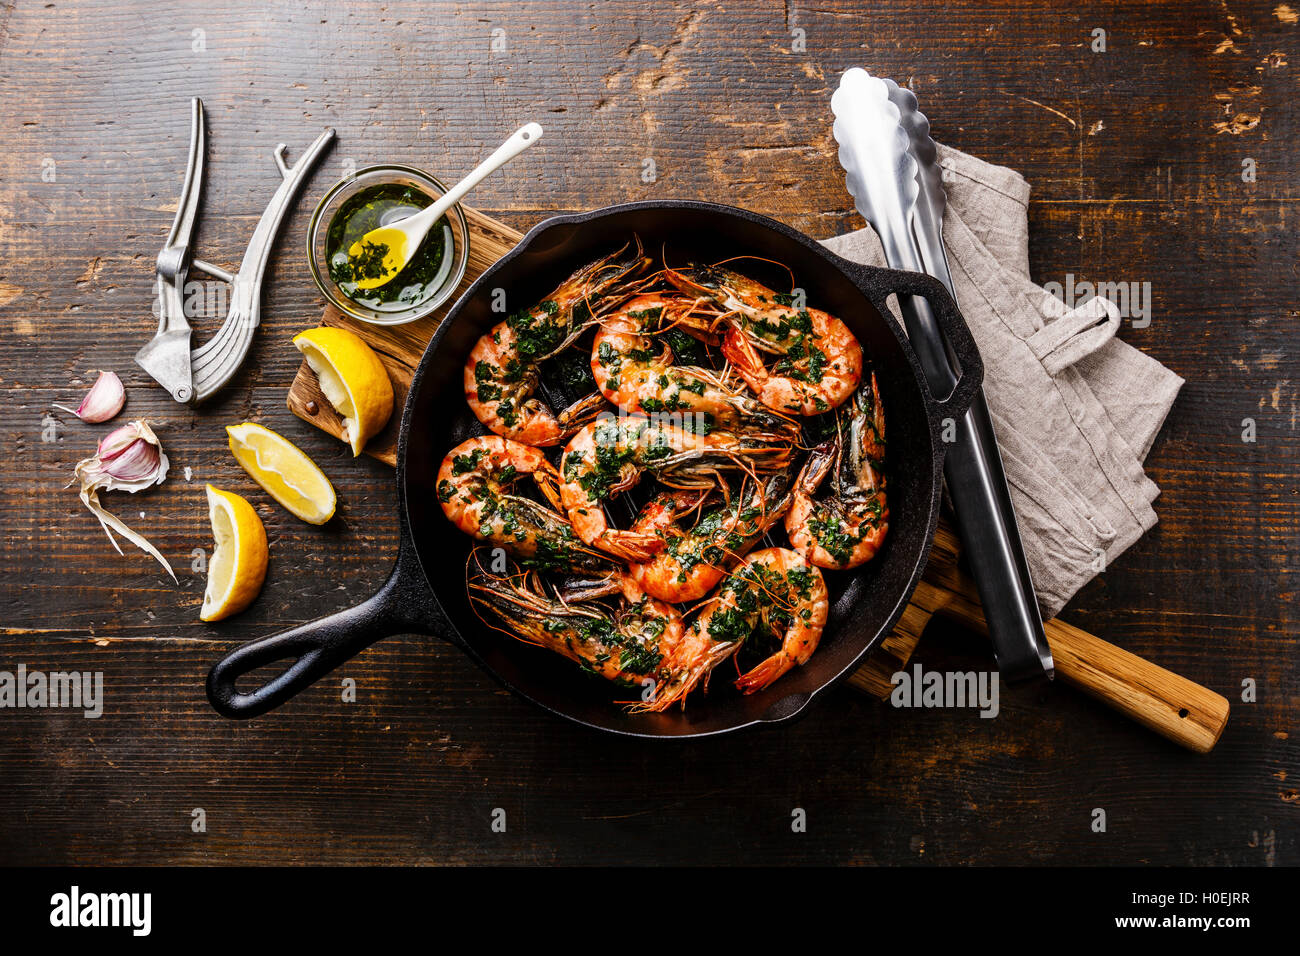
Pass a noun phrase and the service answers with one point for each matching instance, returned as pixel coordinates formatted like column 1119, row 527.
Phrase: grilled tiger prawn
column 502, row 371
column 775, row 593
column 819, row 360
column 696, row 558
column 846, row 526
column 637, row 375
column 626, row 642
column 473, row 487
column 608, row 457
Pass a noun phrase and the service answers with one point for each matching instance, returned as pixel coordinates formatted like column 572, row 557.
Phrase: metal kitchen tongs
column 194, row 375
column 892, row 171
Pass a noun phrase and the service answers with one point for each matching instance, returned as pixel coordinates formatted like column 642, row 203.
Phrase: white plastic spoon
column 400, row 240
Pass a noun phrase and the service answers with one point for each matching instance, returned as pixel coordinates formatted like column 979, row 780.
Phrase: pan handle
column 878, row 284
column 403, row 604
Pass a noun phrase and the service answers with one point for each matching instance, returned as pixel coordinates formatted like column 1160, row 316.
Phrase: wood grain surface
column 1136, row 158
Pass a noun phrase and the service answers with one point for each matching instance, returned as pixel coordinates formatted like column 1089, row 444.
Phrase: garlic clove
column 129, row 458
column 118, row 440
column 136, row 462
column 104, row 400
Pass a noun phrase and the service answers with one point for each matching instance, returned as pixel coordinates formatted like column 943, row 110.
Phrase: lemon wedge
column 353, row 380
column 238, row 565
column 284, row 470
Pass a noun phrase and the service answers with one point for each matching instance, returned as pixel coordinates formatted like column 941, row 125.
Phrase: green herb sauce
column 369, row 209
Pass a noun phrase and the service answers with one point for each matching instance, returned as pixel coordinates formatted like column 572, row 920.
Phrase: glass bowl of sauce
column 372, row 197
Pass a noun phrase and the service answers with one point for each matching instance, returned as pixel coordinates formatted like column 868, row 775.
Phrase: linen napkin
column 1075, row 408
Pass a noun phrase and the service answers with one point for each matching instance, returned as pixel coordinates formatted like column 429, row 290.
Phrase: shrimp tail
column 764, row 674
column 740, row 352
column 684, row 680
column 629, row 545
column 580, row 414
column 817, row 467
column 547, row 481
column 579, row 589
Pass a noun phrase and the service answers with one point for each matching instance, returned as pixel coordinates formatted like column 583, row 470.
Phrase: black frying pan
column 426, row 591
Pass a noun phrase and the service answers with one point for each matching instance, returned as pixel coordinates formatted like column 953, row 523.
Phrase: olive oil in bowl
column 379, row 196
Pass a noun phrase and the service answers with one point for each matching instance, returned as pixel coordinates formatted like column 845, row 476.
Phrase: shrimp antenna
column 760, row 259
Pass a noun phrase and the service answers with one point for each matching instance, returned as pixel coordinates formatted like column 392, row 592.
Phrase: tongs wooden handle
column 1168, row 703
column 1173, row 706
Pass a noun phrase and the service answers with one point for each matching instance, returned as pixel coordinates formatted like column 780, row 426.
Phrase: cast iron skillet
column 426, row 590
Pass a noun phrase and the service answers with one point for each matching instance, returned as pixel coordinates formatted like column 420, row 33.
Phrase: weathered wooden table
column 1136, row 154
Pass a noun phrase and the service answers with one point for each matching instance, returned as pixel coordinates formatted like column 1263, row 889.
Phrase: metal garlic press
column 192, row 375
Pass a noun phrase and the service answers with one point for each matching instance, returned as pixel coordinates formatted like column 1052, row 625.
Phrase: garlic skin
column 104, row 400
column 129, row 458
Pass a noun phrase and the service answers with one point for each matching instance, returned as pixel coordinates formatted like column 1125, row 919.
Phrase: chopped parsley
column 537, row 332
column 366, row 264
column 834, row 537
column 463, row 464
column 686, row 350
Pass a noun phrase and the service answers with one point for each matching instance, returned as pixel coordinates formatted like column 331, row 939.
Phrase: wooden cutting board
column 1167, row 703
